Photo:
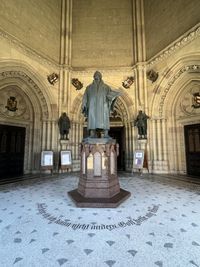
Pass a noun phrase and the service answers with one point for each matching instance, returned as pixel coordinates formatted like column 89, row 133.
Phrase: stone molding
column 32, row 84
column 185, row 39
column 90, row 71
column 189, row 68
column 14, row 42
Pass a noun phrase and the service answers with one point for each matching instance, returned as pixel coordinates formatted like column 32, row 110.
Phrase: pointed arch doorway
column 120, row 129
column 30, row 120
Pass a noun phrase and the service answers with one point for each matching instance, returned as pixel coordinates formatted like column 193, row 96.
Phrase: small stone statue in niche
column 141, row 123
column 64, row 126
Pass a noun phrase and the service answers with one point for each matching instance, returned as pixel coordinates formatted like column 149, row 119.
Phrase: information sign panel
column 66, row 158
column 47, row 159
column 138, row 159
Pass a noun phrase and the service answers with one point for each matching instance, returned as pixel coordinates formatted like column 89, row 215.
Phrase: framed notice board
column 138, row 159
column 65, row 159
column 47, row 159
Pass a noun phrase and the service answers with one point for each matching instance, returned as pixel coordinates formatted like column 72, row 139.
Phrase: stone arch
column 185, row 66
column 124, row 108
column 179, row 112
column 171, row 110
column 75, row 112
column 15, row 71
column 34, row 110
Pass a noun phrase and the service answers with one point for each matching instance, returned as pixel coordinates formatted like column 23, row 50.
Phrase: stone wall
column 35, row 23
column 165, row 21
column 26, row 62
column 102, row 34
column 170, row 102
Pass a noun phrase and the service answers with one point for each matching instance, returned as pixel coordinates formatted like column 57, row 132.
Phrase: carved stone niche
column 99, row 184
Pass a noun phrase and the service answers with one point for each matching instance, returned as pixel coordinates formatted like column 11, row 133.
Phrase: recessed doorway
column 192, row 144
column 12, row 141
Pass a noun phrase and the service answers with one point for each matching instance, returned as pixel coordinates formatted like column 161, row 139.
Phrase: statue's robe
column 97, row 102
column 64, row 124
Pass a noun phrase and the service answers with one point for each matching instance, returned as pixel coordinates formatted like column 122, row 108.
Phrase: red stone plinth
column 99, row 184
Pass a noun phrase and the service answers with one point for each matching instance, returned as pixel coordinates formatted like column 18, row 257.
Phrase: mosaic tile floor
column 159, row 225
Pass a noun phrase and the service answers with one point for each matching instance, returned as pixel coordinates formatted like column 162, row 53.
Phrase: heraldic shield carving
column 11, row 104
column 196, row 100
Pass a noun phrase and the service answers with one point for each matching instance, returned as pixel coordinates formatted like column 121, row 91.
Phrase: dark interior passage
column 192, row 144
column 12, row 140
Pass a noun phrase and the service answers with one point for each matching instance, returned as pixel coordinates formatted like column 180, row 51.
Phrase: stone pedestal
column 142, row 145
column 64, row 144
column 98, row 184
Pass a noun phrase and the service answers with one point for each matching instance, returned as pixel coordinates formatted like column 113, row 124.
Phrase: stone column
column 44, row 129
column 48, row 135
column 160, row 162
column 65, row 55
column 159, row 144
column 139, row 55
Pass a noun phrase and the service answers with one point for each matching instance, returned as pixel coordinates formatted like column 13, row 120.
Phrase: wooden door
column 12, row 141
column 192, row 144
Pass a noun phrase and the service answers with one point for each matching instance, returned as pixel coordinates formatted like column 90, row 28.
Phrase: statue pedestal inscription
column 98, row 184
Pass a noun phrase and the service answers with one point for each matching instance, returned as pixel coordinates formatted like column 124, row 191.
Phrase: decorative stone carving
column 187, row 101
column 11, row 104
column 196, row 100
column 77, row 84
column 152, row 75
column 31, row 83
column 128, row 82
column 18, row 107
column 52, row 78
column 188, row 68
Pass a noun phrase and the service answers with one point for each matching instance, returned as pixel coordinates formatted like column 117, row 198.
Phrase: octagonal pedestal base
column 98, row 185
column 112, row 202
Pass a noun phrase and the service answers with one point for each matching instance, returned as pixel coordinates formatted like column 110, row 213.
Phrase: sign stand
column 65, row 160
column 138, row 160
column 46, row 161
